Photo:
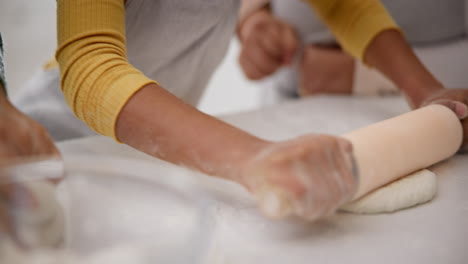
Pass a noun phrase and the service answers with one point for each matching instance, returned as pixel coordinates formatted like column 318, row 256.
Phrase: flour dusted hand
column 20, row 136
column 310, row 177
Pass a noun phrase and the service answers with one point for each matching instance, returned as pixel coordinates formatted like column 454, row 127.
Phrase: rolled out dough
column 417, row 188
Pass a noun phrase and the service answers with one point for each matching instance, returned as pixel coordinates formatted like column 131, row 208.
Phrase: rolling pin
column 396, row 147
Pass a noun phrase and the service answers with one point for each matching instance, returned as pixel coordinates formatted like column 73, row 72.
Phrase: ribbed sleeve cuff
column 364, row 32
column 114, row 102
column 355, row 23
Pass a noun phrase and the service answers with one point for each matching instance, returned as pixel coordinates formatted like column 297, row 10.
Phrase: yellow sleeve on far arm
column 355, row 23
column 96, row 78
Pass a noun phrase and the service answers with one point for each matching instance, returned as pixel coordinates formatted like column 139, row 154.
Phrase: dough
column 417, row 188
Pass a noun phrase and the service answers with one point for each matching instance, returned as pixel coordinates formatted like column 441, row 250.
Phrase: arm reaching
column 117, row 100
column 365, row 29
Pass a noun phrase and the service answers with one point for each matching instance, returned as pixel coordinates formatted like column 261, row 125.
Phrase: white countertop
column 116, row 195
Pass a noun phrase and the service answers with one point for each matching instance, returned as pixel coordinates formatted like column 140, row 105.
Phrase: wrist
column 401, row 65
column 418, row 92
column 243, row 162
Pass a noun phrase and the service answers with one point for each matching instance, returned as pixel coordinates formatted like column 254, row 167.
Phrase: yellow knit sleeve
column 96, row 78
column 355, row 23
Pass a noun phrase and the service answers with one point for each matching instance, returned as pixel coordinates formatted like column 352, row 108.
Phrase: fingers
column 345, row 172
column 270, row 40
column 20, row 136
column 274, row 203
column 290, row 44
column 309, row 177
column 457, row 101
column 267, row 44
column 334, row 184
column 257, row 63
column 459, row 108
column 464, row 147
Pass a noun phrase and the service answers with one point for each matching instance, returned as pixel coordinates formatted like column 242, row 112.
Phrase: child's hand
column 267, row 44
column 457, row 100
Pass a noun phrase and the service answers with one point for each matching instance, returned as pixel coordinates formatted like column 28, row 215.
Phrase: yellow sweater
column 97, row 79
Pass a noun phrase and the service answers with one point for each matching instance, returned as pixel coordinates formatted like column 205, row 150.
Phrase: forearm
column 158, row 123
column 366, row 30
column 117, row 100
column 392, row 55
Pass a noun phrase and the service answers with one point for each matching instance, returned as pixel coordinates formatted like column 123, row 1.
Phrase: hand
column 5, row 218
column 457, row 100
column 325, row 70
column 30, row 214
column 21, row 136
column 13, row 195
column 267, row 44
column 310, row 176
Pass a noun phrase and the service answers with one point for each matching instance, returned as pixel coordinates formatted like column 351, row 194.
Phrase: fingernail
column 346, row 145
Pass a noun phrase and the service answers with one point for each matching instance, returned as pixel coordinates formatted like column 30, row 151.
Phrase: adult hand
column 20, row 136
column 13, row 195
column 310, row 176
column 267, row 44
column 326, row 70
column 457, row 100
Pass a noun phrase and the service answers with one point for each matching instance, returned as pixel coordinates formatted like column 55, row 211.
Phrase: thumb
column 273, row 203
column 459, row 108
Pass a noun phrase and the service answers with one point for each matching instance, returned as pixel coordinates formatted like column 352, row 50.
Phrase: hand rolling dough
column 417, row 188
column 395, row 147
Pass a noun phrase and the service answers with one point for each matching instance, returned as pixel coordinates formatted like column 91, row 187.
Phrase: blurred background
column 30, row 33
